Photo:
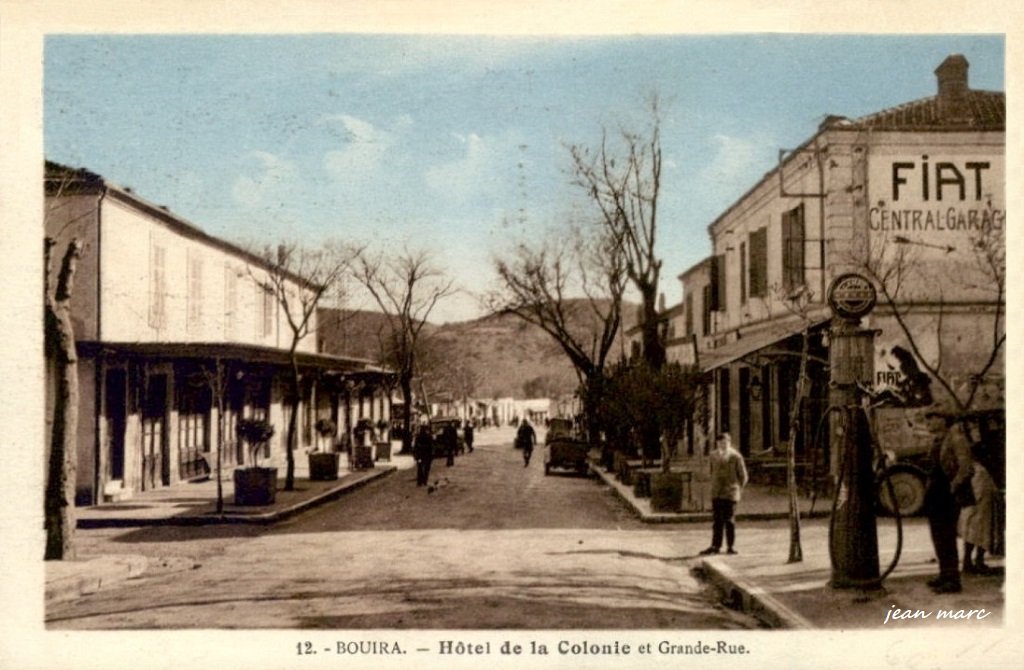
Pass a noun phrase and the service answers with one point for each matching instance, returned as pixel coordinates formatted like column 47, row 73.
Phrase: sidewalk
column 760, row 580
column 194, row 504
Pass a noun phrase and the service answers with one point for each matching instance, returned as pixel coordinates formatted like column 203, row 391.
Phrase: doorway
column 115, row 412
column 156, row 467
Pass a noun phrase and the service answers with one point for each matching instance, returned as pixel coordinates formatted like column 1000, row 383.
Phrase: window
column 195, row 291
column 743, row 273
column 718, row 293
column 689, row 314
column 230, row 301
column 793, row 248
column 157, row 286
column 265, row 310
column 758, row 263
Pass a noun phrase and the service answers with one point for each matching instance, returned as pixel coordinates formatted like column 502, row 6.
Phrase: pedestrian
column 728, row 477
column 450, row 441
column 423, row 453
column 526, row 438
column 976, row 520
column 948, row 490
column 467, row 436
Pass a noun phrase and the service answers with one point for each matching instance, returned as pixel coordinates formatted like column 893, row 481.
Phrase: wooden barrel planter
column 667, row 491
column 323, row 466
column 255, row 486
column 642, row 484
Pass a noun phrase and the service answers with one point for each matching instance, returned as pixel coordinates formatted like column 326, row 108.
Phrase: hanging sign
column 851, row 295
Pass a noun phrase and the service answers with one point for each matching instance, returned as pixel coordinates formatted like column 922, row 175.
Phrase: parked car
column 562, row 449
column 437, row 425
column 907, row 446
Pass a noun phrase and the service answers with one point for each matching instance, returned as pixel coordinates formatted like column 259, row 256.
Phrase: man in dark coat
column 467, row 436
column 423, row 452
column 450, row 441
column 949, row 486
column 526, row 438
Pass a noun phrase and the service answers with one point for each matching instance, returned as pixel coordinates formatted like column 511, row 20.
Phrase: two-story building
column 913, row 197
column 179, row 335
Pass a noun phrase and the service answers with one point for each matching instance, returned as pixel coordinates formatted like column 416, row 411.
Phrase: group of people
column 958, row 500
column 424, row 446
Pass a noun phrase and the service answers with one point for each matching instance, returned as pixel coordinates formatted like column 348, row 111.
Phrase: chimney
column 952, row 78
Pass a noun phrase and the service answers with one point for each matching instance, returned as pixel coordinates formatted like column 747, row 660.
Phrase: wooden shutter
column 793, row 248
column 758, row 251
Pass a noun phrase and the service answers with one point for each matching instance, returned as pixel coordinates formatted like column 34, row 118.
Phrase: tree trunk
column 406, row 386
column 796, row 553
column 289, row 477
column 59, row 512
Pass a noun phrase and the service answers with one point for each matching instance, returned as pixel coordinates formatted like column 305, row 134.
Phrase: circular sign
column 851, row 295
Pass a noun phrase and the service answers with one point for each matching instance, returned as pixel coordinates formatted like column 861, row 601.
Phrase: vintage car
column 562, row 449
column 437, row 425
column 907, row 449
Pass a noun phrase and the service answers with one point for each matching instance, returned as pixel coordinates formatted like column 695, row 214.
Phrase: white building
column 172, row 325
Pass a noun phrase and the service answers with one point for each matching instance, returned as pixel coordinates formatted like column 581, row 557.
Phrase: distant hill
column 502, row 354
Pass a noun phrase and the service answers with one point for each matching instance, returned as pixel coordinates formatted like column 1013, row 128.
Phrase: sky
column 457, row 145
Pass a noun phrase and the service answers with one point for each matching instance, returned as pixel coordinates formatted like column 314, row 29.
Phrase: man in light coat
column 728, row 477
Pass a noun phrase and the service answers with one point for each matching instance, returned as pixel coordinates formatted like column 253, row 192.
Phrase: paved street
column 495, row 545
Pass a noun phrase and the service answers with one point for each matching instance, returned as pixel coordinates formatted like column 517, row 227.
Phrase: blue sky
column 456, row 144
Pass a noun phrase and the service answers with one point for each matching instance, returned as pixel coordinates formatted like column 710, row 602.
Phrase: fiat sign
column 851, row 296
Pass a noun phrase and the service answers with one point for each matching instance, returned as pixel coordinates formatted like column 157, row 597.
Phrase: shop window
column 793, row 248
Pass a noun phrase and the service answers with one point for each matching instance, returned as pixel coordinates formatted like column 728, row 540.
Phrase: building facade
column 912, row 197
column 180, row 335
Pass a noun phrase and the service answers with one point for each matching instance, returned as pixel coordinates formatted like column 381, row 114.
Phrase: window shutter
column 759, row 262
column 712, row 303
column 743, row 273
column 793, row 247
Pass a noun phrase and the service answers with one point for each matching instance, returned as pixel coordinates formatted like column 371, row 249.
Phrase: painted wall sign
column 929, row 193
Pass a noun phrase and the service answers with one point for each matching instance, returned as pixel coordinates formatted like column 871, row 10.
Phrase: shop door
column 115, row 411
column 155, row 457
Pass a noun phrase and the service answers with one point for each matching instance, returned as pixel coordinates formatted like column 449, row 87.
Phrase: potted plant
column 323, row 465
column 255, row 485
column 383, row 446
column 362, row 451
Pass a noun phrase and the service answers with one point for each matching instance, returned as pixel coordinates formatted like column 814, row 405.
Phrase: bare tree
column 624, row 181
column 299, row 279
column 60, row 345
column 536, row 285
column 406, row 288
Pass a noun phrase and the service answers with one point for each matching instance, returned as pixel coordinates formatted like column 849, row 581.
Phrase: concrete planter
column 323, row 466
column 255, row 486
column 666, row 492
column 642, row 484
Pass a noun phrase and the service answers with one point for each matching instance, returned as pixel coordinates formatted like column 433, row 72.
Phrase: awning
column 240, row 352
column 755, row 341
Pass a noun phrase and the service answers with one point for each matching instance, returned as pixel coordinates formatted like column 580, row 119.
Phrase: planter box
column 362, row 458
column 642, row 484
column 667, row 492
column 255, row 486
column 323, row 466
column 384, row 451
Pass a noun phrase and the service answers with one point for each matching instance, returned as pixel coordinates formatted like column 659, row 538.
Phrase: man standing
column 949, row 489
column 423, row 452
column 467, row 435
column 526, row 438
column 728, row 477
column 450, row 442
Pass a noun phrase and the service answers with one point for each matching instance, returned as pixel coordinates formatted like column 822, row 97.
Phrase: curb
column 689, row 517
column 742, row 594
column 265, row 518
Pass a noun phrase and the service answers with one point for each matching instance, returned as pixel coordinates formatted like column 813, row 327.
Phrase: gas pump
column 853, row 537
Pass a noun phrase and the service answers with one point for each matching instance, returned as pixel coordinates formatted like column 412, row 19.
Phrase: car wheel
column 908, row 489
